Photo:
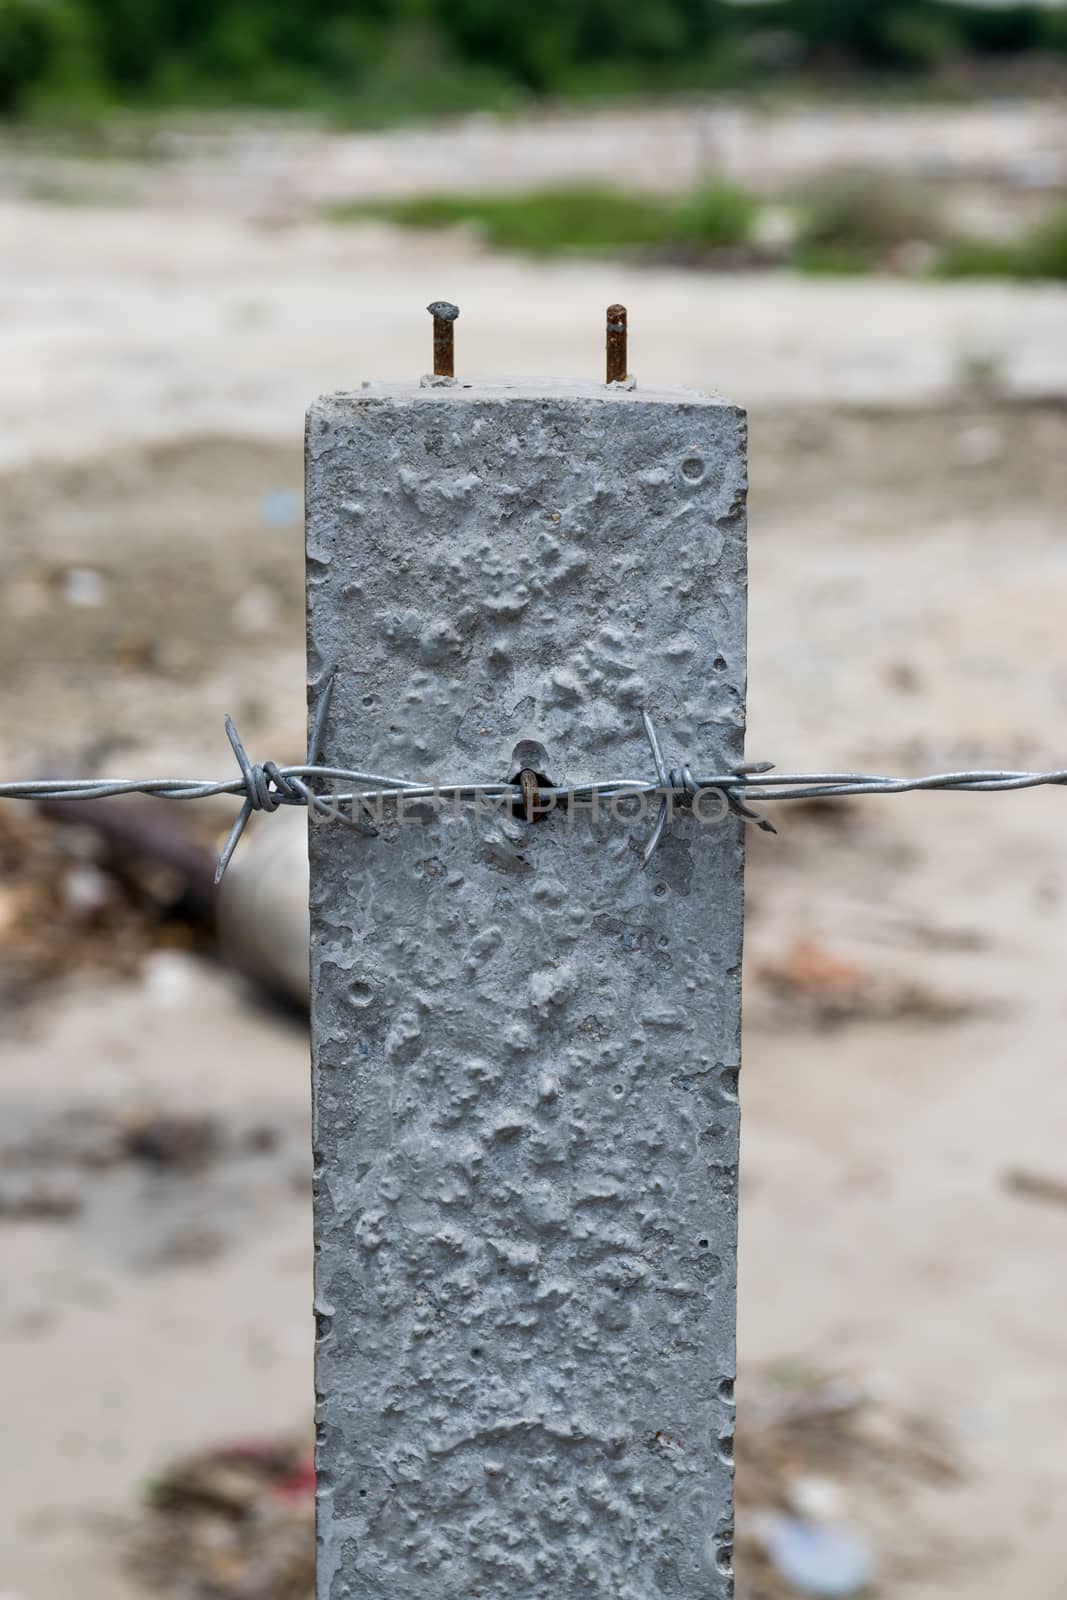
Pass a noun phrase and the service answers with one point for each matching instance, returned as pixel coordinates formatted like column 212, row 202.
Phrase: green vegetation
column 580, row 220
column 373, row 59
column 851, row 226
column 858, row 224
column 1042, row 253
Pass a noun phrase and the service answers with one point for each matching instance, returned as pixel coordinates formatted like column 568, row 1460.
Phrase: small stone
column 87, row 891
column 280, row 508
column 256, row 611
column 813, row 1498
column 829, row 1560
column 83, row 586
column 979, row 446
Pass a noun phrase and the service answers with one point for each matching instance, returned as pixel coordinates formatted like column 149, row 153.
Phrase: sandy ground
column 275, row 168
column 905, row 1015
column 195, row 292
column 136, row 324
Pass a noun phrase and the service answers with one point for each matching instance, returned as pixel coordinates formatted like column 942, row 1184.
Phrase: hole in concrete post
column 529, row 770
column 528, row 753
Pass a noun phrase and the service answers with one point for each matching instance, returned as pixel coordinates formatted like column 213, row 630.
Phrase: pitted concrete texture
column 525, row 1048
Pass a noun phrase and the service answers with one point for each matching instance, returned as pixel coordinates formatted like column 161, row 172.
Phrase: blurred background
column 851, row 217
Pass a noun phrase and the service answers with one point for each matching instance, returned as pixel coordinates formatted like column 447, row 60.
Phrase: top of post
column 443, row 388
column 442, row 385
column 346, row 401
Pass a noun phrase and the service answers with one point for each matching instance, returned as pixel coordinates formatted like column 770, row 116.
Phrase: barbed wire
column 266, row 786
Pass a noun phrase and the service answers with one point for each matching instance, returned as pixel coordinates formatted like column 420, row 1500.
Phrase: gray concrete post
column 525, row 1049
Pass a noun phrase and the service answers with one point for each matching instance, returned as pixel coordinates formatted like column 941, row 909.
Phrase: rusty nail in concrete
column 531, row 793
column 616, row 344
column 444, row 315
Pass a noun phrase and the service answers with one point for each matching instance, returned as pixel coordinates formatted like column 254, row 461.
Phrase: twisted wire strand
column 797, row 786
column 266, row 786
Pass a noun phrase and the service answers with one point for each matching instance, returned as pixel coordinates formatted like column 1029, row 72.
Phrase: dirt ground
column 903, row 1087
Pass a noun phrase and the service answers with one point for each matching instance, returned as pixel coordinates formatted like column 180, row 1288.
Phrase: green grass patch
column 875, row 225
column 580, row 220
column 848, row 227
column 1041, row 253
column 862, row 224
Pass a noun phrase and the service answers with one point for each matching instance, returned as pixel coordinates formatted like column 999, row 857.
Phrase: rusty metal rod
column 616, row 345
column 444, row 314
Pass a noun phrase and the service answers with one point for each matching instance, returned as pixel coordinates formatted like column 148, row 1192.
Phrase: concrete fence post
column 525, row 1048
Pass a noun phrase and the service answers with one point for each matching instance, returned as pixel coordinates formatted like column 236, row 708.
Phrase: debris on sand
column 232, row 1523
column 804, row 1452
column 56, row 1167
column 814, row 984
column 38, row 1200
column 66, row 906
column 171, row 1140
column 822, row 1559
column 237, row 1522
column 1035, row 1186
column 91, row 1139
column 834, row 815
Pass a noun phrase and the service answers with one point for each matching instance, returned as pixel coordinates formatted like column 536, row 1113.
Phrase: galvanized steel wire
column 265, row 786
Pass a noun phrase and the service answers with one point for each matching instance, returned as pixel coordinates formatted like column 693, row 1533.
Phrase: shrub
column 580, row 219
column 1041, row 254
column 857, row 223
column 43, row 48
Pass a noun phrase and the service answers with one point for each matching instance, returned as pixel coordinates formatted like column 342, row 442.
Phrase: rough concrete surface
column 525, row 1048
